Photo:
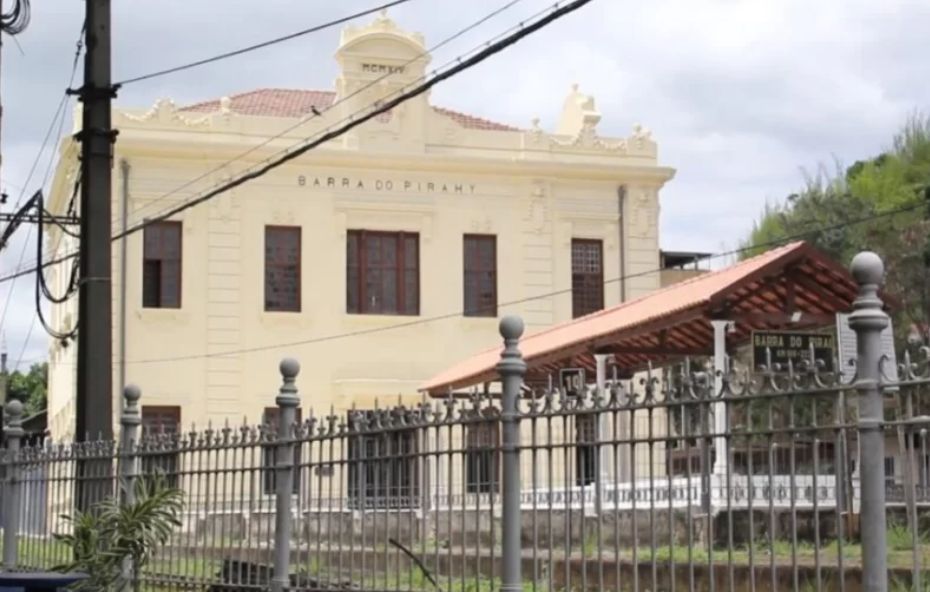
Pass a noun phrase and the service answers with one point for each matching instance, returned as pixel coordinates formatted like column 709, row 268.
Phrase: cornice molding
column 510, row 162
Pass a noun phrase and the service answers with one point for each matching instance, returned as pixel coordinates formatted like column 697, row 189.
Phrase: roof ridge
column 285, row 89
column 255, row 102
column 452, row 112
column 253, row 92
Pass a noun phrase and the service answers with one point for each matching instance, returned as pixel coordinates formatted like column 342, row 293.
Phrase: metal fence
column 680, row 479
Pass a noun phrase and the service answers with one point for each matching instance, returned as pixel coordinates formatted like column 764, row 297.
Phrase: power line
column 58, row 119
column 303, row 121
column 40, row 275
column 41, row 285
column 22, row 253
column 461, row 65
column 292, row 153
column 41, row 282
column 59, row 113
column 22, row 351
column 60, row 259
column 53, row 259
column 423, row 321
column 42, row 289
column 17, row 19
column 261, row 45
column 738, row 251
column 386, row 107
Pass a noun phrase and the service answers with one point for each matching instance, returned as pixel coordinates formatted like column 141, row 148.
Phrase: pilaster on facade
column 223, row 308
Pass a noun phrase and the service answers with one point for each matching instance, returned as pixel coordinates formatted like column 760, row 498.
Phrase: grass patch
column 900, row 538
column 416, row 581
column 186, row 566
column 41, row 553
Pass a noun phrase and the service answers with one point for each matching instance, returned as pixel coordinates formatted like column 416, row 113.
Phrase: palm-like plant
column 113, row 541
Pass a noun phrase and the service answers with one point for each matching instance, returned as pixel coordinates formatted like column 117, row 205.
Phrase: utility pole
column 95, row 356
column 4, row 375
column 1, row 101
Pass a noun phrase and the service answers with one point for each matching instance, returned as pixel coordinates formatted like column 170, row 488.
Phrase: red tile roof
column 681, row 312
column 280, row 102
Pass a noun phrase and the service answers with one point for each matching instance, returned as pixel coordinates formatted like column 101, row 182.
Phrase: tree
column 829, row 209
column 30, row 388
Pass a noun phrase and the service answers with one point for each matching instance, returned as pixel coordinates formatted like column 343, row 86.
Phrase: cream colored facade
column 422, row 169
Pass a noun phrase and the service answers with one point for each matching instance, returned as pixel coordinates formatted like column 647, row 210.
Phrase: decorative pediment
column 381, row 25
column 166, row 112
column 641, row 141
column 587, row 138
column 577, row 131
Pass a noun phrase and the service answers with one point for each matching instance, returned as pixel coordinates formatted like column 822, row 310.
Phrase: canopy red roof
column 794, row 286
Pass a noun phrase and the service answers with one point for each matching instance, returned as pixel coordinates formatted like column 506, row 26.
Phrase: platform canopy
column 790, row 287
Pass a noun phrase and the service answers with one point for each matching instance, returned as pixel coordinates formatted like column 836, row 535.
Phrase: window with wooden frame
column 587, row 276
column 282, row 268
column 482, row 455
column 480, row 270
column 382, row 273
column 161, row 265
column 161, row 427
column 586, row 449
column 269, row 452
column 383, row 469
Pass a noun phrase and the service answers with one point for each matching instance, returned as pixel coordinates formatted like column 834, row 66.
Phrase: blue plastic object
column 41, row 581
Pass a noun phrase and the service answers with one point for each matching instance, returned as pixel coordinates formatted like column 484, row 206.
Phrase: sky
column 744, row 97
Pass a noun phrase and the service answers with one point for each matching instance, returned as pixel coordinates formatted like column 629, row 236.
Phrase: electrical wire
column 306, row 119
column 17, row 19
column 293, row 152
column 41, row 280
column 421, row 321
column 490, row 49
column 42, row 289
column 16, row 221
column 22, row 254
column 58, row 119
column 53, row 220
column 261, row 45
column 457, row 314
column 386, row 107
column 22, row 351
column 39, row 316
column 53, row 259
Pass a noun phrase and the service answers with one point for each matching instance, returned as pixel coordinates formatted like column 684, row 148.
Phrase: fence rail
column 781, row 478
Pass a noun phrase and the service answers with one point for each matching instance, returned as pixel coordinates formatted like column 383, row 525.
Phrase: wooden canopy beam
column 658, row 351
column 805, row 319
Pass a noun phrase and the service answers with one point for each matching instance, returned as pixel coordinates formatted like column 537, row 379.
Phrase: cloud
column 740, row 95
